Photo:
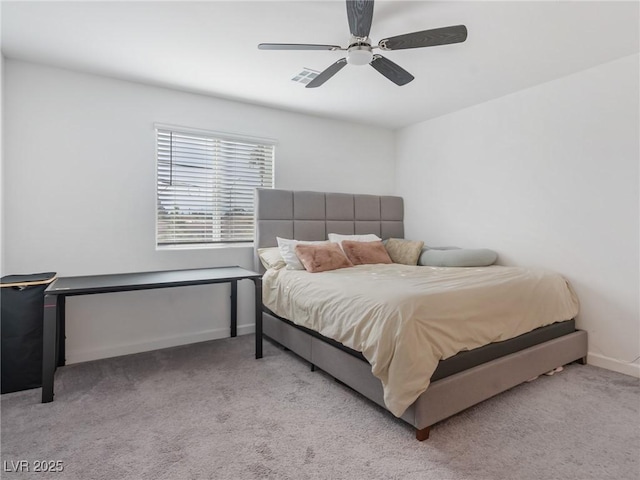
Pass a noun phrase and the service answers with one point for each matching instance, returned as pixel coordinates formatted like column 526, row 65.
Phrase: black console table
column 53, row 345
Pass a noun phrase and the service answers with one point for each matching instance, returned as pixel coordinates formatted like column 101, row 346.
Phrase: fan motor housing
column 359, row 54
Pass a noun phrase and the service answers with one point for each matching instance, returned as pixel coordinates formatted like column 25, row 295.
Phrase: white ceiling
column 211, row 48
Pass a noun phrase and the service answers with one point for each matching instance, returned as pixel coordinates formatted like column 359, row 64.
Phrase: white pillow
column 271, row 258
column 367, row 237
column 288, row 251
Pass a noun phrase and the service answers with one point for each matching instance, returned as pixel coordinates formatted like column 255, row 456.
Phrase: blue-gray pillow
column 457, row 257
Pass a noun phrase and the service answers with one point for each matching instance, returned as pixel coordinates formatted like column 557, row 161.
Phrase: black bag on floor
column 22, row 303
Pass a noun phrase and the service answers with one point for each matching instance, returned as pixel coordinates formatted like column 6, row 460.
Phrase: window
column 205, row 185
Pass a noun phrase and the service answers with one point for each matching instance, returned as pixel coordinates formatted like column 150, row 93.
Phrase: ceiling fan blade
column 426, row 38
column 327, row 73
column 297, row 46
column 360, row 15
column 392, row 71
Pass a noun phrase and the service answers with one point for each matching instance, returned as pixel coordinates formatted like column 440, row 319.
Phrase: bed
column 458, row 382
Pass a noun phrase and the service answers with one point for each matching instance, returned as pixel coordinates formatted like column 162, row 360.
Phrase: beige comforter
column 404, row 319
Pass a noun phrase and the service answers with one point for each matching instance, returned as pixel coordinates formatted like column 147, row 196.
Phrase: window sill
column 203, row 246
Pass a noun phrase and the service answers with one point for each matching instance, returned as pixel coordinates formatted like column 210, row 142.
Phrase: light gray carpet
column 211, row 410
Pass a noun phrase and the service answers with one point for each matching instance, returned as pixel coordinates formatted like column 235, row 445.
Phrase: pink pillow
column 321, row 258
column 363, row 253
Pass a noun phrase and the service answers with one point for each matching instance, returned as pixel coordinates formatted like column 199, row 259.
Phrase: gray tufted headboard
column 313, row 215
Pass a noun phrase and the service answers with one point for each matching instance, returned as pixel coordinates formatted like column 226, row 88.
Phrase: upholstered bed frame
column 311, row 216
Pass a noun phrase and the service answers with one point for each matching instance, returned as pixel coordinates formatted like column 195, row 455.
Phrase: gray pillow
column 457, row 257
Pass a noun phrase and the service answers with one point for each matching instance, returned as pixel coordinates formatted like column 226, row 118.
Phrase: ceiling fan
column 360, row 50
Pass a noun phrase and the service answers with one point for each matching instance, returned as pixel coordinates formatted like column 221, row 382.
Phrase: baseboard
column 632, row 369
column 155, row 344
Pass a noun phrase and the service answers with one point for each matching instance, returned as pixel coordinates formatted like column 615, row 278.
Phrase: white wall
column 80, row 196
column 547, row 177
column 2, row 265
column 2, row 269
column 1, row 153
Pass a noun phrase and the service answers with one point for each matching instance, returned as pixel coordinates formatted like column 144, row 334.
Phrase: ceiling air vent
column 305, row 76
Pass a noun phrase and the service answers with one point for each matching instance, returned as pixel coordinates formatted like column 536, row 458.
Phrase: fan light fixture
column 359, row 51
column 359, row 55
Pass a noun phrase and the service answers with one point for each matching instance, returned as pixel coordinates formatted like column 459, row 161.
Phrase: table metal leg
column 234, row 308
column 62, row 335
column 258, row 300
column 49, row 323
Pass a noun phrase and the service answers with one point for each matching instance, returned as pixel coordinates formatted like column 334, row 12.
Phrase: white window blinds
column 205, row 186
